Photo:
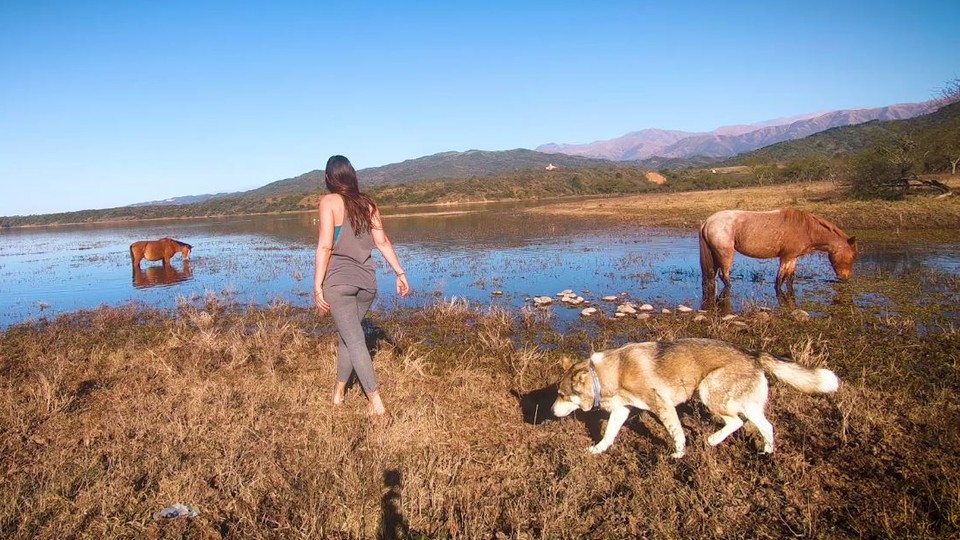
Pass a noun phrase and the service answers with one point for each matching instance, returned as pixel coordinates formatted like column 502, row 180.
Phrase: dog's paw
column 678, row 454
column 597, row 449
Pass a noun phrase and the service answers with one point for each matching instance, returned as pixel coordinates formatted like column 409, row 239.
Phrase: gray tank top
column 350, row 260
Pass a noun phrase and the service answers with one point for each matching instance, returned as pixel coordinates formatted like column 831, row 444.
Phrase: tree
column 949, row 94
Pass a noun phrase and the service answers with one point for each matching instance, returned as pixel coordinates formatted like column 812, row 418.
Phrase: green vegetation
column 870, row 159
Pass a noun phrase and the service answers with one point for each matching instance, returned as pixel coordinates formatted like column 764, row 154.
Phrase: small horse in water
column 154, row 250
column 786, row 233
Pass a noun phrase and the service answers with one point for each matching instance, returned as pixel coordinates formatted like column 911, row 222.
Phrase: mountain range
column 649, row 148
column 445, row 165
column 730, row 140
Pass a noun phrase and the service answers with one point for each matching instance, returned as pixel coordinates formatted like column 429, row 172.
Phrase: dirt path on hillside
column 656, row 178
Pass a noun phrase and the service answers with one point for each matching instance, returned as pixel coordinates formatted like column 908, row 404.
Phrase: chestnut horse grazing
column 154, row 250
column 786, row 233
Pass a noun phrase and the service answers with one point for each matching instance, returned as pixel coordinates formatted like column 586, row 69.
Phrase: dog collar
column 596, row 386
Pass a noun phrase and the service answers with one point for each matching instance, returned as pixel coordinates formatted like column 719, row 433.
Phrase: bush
column 873, row 175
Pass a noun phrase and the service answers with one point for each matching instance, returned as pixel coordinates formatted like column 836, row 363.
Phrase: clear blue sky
column 105, row 104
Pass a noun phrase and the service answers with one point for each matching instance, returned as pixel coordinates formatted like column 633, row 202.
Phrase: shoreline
column 682, row 209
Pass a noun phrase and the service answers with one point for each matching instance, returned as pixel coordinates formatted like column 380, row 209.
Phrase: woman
column 345, row 282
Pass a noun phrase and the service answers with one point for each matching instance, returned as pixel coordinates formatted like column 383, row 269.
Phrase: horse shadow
column 161, row 276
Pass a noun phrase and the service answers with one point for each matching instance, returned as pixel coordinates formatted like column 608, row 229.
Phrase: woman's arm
column 324, row 248
column 385, row 246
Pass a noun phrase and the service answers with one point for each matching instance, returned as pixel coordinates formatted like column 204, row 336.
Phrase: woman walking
column 345, row 281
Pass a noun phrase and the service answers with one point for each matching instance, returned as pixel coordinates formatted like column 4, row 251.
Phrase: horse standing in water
column 154, row 250
column 786, row 233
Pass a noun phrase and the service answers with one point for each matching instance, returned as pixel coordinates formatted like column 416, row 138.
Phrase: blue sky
column 105, row 104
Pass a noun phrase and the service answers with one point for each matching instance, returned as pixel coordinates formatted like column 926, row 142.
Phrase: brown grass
column 822, row 198
column 108, row 416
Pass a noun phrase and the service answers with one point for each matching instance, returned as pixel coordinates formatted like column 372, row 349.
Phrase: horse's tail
column 708, row 262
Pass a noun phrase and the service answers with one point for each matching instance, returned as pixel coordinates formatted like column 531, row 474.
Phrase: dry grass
column 823, row 198
column 109, row 416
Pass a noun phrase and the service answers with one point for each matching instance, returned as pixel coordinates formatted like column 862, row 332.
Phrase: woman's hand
column 403, row 288
column 318, row 299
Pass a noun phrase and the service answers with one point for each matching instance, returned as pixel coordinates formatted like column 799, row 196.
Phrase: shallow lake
column 487, row 254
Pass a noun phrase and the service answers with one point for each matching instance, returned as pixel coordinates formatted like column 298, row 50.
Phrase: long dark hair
column 341, row 178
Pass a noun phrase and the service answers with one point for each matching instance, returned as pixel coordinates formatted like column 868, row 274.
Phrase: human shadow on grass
column 393, row 526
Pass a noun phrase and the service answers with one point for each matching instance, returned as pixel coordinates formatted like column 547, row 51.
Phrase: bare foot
column 338, row 392
column 376, row 407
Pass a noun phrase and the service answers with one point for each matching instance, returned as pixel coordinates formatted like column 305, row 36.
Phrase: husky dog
column 659, row 375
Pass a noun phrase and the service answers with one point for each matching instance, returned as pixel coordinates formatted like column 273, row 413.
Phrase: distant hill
column 445, row 165
column 478, row 175
column 732, row 140
column 931, row 131
column 188, row 199
column 632, row 146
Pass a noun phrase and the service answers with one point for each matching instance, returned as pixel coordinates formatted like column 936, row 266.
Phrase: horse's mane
column 179, row 243
column 813, row 221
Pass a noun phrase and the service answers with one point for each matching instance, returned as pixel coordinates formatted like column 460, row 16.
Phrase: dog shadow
column 535, row 408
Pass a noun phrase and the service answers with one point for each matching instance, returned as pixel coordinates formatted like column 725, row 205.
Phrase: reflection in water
column 160, row 275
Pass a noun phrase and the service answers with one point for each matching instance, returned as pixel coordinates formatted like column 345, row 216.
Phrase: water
column 469, row 252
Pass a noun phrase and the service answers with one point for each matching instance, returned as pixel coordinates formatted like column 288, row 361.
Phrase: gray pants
column 348, row 306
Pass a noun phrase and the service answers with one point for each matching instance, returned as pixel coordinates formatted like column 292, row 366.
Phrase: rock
column 626, row 308
column 729, row 317
column 643, row 316
column 665, row 311
column 609, row 298
column 646, row 307
column 566, row 292
column 700, row 318
column 800, row 315
column 684, row 309
column 738, row 324
column 619, row 314
column 588, row 311
column 763, row 316
column 542, row 300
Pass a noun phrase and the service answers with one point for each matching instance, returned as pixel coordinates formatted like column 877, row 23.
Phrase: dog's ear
column 565, row 362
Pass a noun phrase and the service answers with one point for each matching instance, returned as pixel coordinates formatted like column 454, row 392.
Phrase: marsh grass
column 108, row 416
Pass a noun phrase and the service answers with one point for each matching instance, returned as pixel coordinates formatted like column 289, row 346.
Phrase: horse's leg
column 785, row 274
column 726, row 263
column 708, row 272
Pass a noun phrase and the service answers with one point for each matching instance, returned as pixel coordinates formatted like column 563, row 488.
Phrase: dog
column 659, row 375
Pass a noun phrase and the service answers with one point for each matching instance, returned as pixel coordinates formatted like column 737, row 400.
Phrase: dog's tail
column 804, row 379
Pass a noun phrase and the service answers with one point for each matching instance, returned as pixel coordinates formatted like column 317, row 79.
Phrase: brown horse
column 785, row 233
column 154, row 250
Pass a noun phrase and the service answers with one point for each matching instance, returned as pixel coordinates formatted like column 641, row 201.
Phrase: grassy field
column 822, row 198
column 112, row 415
